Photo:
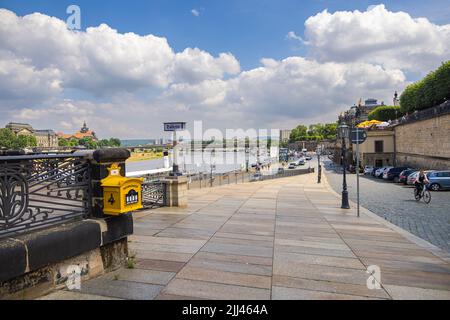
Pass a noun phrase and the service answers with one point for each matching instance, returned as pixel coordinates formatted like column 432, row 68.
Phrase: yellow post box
column 120, row 194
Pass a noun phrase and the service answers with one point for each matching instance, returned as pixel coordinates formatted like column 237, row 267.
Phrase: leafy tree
column 10, row 141
column 103, row 143
column 385, row 113
column 299, row 131
column 7, row 138
column 432, row 90
column 63, row 142
column 316, row 131
column 330, row 130
column 23, row 141
column 89, row 143
column 115, row 142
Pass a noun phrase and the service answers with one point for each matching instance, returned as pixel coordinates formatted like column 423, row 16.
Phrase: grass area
column 140, row 156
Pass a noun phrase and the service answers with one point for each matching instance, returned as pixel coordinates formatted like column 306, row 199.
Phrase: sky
column 231, row 64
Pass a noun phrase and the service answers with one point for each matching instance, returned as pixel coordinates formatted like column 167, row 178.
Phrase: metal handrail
column 41, row 156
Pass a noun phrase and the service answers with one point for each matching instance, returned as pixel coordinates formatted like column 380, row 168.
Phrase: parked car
column 368, row 169
column 308, row 158
column 439, row 180
column 393, row 174
column 292, row 165
column 301, row 162
column 374, row 171
column 379, row 173
column 413, row 176
column 403, row 176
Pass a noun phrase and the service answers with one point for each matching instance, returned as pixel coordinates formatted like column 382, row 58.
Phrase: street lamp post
column 344, row 133
column 211, row 155
column 319, row 167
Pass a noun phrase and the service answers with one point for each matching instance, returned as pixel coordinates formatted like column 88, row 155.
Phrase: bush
column 385, row 113
column 432, row 90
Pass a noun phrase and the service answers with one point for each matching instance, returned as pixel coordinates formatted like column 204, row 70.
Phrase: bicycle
column 424, row 194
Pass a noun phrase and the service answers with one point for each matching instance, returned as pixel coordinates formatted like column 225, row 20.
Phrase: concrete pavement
column 279, row 239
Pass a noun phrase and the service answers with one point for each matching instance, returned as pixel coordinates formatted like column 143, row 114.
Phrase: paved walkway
column 277, row 239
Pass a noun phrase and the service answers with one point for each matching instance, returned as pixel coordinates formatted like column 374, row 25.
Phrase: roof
column 77, row 135
column 44, row 132
column 17, row 125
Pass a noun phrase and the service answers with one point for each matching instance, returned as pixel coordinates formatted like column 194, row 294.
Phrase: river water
column 201, row 162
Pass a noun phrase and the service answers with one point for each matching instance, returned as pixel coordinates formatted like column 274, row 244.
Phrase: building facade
column 44, row 138
column 378, row 150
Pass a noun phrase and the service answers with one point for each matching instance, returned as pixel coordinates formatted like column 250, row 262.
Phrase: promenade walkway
column 279, row 239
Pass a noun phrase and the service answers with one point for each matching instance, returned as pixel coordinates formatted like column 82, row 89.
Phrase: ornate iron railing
column 153, row 194
column 38, row 191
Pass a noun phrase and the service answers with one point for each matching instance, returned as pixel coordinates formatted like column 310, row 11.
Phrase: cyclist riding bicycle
column 421, row 181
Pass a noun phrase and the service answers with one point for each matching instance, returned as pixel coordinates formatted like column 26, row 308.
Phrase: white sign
column 174, row 126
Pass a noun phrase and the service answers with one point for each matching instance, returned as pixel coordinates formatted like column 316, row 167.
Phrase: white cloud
column 379, row 36
column 194, row 65
column 291, row 35
column 142, row 82
column 195, row 12
column 100, row 60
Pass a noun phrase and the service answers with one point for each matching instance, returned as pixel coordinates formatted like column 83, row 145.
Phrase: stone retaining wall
column 424, row 143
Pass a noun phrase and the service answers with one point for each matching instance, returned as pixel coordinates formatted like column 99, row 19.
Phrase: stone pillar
column 176, row 191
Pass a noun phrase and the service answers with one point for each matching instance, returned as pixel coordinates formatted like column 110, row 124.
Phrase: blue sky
column 230, row 64
column 249, row 29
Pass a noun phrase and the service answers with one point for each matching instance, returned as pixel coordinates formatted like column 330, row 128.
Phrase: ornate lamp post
column 343, row 132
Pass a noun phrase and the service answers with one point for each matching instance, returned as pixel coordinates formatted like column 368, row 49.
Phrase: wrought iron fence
column 153, row 194
column 37, row 191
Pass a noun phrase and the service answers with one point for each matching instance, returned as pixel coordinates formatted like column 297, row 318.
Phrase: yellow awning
column 366, row 124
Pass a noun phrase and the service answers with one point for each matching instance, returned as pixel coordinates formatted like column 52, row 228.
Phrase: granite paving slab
column 280, row 239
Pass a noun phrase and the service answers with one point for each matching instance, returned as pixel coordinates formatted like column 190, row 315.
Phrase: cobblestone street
column 396, row 204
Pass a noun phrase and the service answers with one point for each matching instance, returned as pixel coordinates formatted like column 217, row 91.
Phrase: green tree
column 7, row 138
column 24, row 141
column 88, row 143
column 330, row 130
column 63, row 142
column 318, row 131
column 103, row 143
column 432, row 90
column 115, row 142
column 385, row 113
column 298, row 132
column 10, row 141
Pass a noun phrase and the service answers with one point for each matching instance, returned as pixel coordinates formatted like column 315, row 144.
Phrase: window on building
column 379, row 146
